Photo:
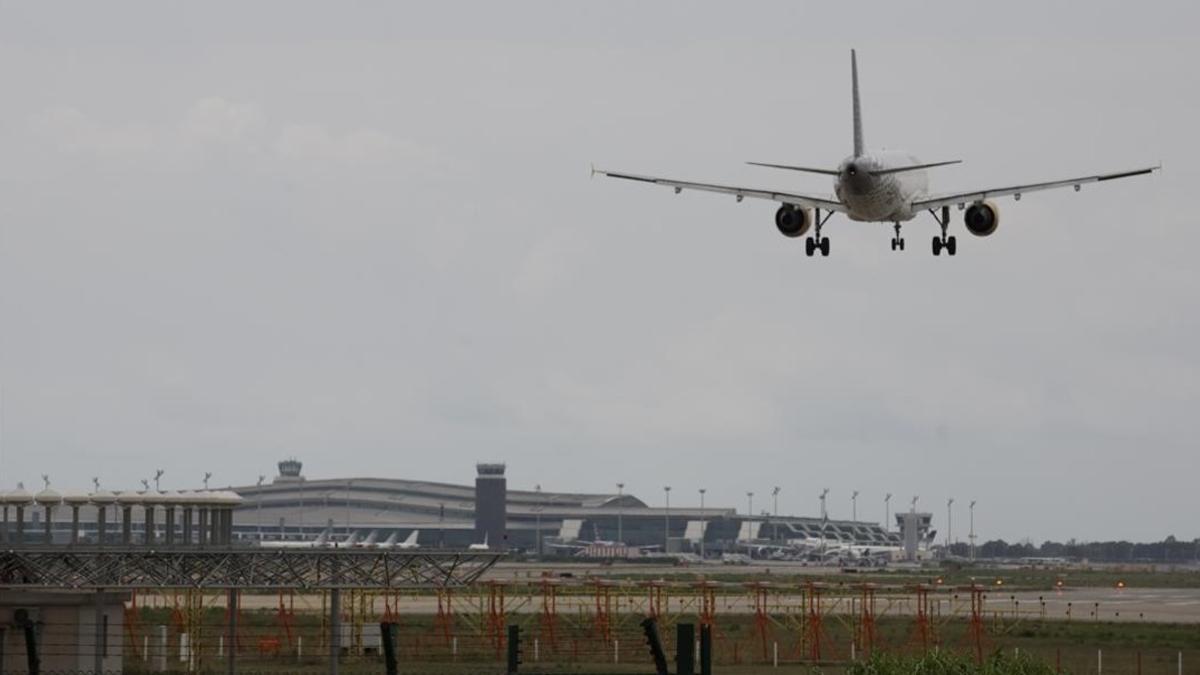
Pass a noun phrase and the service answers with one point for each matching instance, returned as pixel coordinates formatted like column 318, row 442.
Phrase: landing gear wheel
column 824, row 247
column 809, row 246
column 951, row 245
column 937, row 246
column 897, row 241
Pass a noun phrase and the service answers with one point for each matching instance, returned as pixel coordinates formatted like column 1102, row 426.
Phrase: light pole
column 207, row 475
column 971, row 535
column 667, row 519
column 538, row 509
column 258, row 508
column 824, row 513
column 949, row 540
column 887, row 512
column 703, row 522
column 620, row 511
column 751, row 535
column 348, row 508
column 854, row 506
column 775, row 496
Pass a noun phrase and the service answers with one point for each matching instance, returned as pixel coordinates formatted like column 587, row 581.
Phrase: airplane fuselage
column 875, row 197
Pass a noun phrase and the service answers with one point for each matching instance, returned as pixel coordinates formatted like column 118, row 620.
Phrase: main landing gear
column 817, row 242
column 949, row 243
column 897, row 241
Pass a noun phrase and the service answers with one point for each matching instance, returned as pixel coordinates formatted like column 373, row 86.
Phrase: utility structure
column 667, row 520
column 949, row 513
column 620, row 512
column 971, row 535
column 704, row 523
column 775, row 509
column 887, row 512
column 854, row 506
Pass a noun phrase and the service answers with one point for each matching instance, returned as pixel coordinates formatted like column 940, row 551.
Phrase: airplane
column 322, row 541
column 479, row 547
column 888, row 187
column 410, row 542
column 369, row 542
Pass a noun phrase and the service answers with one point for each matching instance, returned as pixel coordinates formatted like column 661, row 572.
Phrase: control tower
column 491, row 506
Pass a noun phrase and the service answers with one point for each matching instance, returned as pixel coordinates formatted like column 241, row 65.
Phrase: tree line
column 1169, row 550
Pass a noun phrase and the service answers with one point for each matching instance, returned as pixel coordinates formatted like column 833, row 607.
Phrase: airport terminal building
column 293, row 508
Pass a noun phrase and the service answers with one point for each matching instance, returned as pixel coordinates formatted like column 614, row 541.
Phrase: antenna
column 157, row 475
column 46, row 480
column 207, row 475
column 96, row 483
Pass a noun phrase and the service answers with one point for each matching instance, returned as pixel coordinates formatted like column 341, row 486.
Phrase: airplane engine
column 982, row 218
column 791, row 221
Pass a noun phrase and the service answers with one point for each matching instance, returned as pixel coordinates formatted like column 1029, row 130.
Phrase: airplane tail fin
column 391, row 540
column 412, row 538
column 858, row 133
column 323, row 537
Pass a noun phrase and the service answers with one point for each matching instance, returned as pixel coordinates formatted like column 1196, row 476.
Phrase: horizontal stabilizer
column 828, row 172
column 901, row 169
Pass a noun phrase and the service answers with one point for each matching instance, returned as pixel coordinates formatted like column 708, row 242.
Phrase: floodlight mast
column 949, row 522
column 667, row 520
column 971, row 536
column 824, row 512
column 854, row 506
column 258, row 508
column 887, row 512
column 775, row 524
column 620, row 511
column 703, row 522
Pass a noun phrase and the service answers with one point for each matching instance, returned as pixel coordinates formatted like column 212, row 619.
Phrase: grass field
column 742, row 645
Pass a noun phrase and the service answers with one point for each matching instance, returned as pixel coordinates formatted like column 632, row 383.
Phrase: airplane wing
column 806, row 201
column 1018, row 190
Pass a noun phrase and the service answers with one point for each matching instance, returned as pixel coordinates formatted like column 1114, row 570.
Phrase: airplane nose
column 851, row 170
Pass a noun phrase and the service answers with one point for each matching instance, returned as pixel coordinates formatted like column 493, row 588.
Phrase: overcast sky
column 364, row 234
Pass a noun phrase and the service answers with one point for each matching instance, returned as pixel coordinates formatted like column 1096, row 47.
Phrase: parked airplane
column 410, row 542
column 888, row 187
column 369, row 542
column 322, row 541
column 479, row 547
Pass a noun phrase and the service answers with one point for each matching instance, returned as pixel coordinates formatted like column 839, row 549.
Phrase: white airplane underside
column 889, row 187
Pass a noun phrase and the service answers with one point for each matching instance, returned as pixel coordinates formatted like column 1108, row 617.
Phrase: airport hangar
column 294, row 508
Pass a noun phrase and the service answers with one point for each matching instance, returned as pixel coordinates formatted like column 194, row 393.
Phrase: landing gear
column 817, row 242
column 897, row 241
column 948, row 243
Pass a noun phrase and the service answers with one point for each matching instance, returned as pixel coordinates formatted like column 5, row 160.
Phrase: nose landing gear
column 897, row 241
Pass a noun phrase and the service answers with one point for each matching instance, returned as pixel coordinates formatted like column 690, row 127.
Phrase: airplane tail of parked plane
column 390, row 541
column 322, row 538
column 858, row 133
column 411, row 541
